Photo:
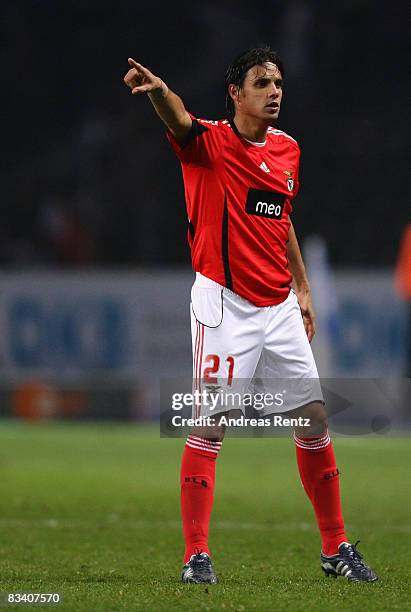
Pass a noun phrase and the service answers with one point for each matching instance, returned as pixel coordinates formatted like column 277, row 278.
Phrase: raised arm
column 168, row 106
column 300, row 283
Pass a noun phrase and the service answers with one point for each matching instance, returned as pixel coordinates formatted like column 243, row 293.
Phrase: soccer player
column 251, row 312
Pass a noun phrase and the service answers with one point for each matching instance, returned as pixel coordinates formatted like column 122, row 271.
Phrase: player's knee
column 211, row 432
column 314, row 419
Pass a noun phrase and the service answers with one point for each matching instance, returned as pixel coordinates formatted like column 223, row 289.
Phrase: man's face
column 261, row 93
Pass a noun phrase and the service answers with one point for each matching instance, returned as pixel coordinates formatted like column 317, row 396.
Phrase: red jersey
column 238, row 197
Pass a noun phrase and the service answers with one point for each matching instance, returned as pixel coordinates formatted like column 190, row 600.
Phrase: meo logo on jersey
column 265, row 203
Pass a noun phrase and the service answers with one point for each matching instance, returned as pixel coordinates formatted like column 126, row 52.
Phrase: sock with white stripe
column 320, row 478
column 197, row 492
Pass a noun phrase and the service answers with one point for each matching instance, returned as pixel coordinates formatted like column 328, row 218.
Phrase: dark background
column 88, row 178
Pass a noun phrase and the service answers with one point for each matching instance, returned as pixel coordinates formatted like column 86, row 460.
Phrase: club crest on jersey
column 290, row 180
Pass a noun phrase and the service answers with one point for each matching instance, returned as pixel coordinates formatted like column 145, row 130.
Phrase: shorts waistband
column 204, row 281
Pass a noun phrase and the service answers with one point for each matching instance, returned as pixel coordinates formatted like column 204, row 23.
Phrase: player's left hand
column 307, row 312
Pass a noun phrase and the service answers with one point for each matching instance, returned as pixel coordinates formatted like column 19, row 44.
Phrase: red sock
column 197, row 492
column 320, row 477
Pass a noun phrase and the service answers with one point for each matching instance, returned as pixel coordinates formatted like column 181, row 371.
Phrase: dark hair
column 241, row 65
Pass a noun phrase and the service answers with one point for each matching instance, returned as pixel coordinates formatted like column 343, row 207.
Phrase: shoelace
column 356, row 557
column 199, row 563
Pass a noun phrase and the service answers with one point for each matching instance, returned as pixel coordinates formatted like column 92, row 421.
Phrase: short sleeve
column 201, row 145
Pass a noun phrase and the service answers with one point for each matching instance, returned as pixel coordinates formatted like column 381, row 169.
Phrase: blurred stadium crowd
column 88, row 178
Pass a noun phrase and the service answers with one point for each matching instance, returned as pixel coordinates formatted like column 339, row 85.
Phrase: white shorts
column 248, row 349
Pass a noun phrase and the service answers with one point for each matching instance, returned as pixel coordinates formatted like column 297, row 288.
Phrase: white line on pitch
column 53, row 523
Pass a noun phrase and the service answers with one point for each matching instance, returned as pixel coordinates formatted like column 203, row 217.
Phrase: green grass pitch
column 92, row 511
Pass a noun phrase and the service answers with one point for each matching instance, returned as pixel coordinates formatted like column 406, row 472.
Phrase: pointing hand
column 141, row 80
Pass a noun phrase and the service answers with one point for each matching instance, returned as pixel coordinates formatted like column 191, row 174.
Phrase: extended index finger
column 138, row 66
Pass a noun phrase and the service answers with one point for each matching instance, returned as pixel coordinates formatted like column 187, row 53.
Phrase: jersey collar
column 242, row 138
